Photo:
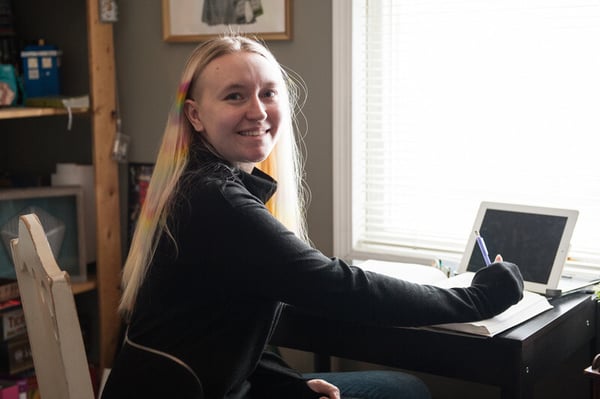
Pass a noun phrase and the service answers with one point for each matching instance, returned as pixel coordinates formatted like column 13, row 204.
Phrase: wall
column 148, row 70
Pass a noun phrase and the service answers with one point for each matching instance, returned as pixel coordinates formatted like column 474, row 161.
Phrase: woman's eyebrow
column 241, row 86
column 232, row 86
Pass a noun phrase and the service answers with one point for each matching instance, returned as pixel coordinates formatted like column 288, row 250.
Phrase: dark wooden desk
column 513, row 360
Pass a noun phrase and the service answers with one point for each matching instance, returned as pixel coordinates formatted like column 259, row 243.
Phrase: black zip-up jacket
column 212, row 301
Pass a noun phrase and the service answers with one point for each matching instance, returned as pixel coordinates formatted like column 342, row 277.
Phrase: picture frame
column 60, row 210
column 199, row 20
column 139, row 175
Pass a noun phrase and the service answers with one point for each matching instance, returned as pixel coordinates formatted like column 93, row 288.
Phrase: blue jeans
column 375, row 384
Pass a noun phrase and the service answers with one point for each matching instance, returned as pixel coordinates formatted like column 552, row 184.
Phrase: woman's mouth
column 253, row 132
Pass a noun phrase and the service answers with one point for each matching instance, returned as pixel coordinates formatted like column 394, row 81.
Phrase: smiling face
column 237, row 105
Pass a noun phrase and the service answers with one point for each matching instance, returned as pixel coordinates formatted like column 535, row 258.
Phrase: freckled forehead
column 239, row 68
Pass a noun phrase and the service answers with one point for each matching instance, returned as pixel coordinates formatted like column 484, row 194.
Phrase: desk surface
column 512, row 360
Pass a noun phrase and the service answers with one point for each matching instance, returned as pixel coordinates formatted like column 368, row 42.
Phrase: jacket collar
column 259, row 184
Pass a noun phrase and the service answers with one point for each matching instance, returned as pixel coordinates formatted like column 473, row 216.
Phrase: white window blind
column 458, row 101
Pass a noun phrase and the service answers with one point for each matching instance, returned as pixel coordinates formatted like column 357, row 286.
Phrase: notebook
column 535, row 238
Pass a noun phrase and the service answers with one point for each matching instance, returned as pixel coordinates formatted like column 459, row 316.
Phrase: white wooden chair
column 52, row 323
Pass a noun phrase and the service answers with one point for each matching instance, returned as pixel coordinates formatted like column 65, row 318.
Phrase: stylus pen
column 483, row 248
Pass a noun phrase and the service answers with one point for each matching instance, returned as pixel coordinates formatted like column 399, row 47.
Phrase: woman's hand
column 328, row 390
column 501, row 284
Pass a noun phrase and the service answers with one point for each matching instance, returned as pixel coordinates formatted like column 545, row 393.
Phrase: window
column 441, row 104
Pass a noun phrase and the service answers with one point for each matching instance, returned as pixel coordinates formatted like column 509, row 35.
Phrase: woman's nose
column 256, row 109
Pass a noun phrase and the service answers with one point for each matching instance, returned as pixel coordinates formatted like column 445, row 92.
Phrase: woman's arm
column 257, row 256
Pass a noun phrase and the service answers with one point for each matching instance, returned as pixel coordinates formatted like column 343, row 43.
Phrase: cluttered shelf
column 29, row 112
column 17, row 374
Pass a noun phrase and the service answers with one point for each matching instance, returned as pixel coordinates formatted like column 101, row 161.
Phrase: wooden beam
column 103, row 104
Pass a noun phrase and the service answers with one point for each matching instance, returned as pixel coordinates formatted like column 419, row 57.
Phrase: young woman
column 210, row 265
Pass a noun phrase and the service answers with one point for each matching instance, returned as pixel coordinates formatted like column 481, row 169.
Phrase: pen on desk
column 483, row 248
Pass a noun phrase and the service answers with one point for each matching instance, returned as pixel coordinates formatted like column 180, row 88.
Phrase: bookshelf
column 88, row 67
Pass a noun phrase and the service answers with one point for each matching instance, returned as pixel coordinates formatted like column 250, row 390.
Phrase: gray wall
column 148, row 70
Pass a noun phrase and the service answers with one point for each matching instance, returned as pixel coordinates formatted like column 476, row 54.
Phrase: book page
column 531, row 305
column 412, row 272
column 458, row 281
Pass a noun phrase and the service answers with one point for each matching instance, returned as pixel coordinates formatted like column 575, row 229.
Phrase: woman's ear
column 190, row 108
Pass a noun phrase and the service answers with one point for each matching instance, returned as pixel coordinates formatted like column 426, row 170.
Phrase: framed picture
column 138, row 182
column 198, row 20
column 60, row 209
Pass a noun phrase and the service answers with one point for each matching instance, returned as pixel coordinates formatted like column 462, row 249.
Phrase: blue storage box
column 41, row 70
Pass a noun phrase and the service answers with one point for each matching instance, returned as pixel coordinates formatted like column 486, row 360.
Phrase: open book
column 531, row 305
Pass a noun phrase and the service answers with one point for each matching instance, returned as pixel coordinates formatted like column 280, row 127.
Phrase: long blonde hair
column 283, row 164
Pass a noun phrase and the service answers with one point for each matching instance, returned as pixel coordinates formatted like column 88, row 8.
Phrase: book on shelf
column 530, row 306
column 9, row 289
column 11, row 390
column 15, row 356
column 19, row 386
column 12, row 322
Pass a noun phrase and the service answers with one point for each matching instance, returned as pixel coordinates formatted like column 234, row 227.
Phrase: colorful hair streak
column 181, row 95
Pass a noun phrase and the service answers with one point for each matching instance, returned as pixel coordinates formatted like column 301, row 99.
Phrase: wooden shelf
column 32, row 112
column 86, row 286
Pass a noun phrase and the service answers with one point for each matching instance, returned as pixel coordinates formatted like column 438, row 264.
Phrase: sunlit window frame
column 345, row 244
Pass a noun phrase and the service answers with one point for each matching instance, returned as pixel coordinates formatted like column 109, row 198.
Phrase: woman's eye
column 270, row 93
column 233, row 96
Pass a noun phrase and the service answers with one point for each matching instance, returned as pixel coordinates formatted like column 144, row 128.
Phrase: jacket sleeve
column 264, row 259
column 273, row 378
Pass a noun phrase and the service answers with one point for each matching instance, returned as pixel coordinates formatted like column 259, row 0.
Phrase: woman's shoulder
column 206, row 179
